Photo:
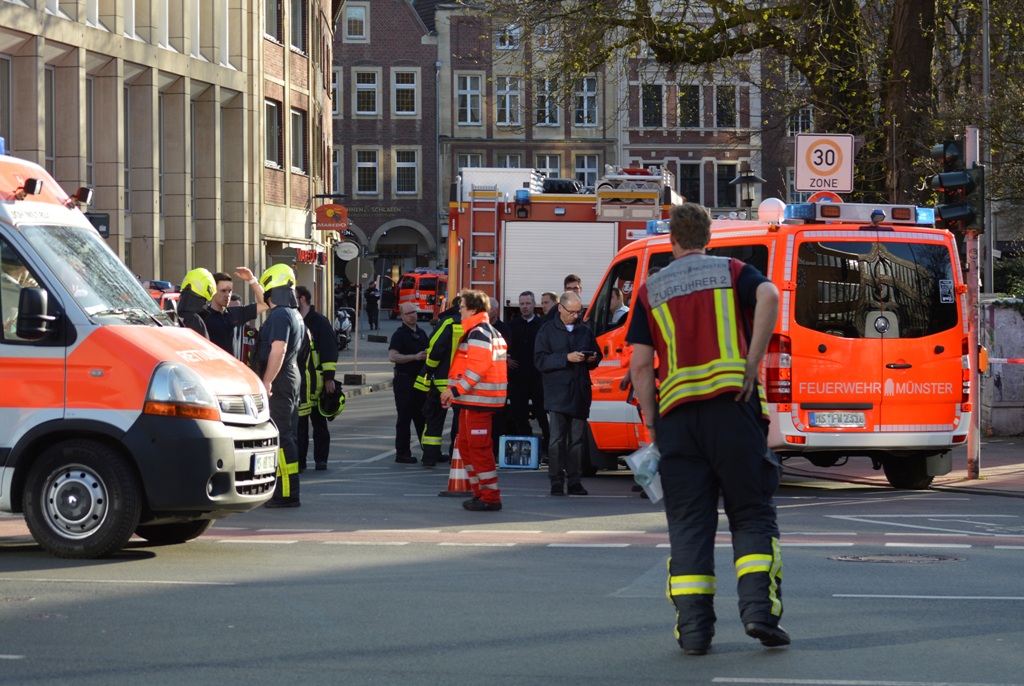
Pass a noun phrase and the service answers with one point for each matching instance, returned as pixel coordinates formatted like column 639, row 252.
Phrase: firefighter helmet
column 277, row 275
column 330, row 405
column 200, row 281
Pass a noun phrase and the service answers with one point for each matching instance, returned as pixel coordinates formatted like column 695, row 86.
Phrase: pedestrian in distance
column 525, row 385
column 197, row 288
column 565, row 351
column 318, row 370
column 225, row 321
column 477, row 383
column 282, row 338
column 372, row 298
column 407, row 351
column 709, row 320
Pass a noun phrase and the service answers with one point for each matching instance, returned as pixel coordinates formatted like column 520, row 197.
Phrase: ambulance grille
column 238, row 406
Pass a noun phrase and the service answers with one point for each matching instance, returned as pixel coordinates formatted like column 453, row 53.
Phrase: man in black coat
column 524, row 380
column 565, row 351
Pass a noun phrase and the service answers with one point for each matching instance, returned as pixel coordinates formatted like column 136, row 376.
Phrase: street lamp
column 747, row 180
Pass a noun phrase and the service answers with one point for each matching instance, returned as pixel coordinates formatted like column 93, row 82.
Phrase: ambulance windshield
column 93, row 275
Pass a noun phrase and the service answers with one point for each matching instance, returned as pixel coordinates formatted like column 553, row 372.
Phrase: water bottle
column 648, row 459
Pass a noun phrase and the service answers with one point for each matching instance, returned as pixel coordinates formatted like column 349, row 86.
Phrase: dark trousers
column 433, row 433
column 710, row 448
column 321, row 438
column 566, row 448
column 373, row 317
column 284, row 412
column 521, row 393
column 409, row 408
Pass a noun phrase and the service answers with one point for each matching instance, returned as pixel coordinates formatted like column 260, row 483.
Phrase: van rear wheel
column 909, row 473
column 82, row 499
column 176, row 532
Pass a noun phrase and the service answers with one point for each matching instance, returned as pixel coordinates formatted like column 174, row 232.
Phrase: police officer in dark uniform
column 714, row 317
column 281, row 339
column 407, row 350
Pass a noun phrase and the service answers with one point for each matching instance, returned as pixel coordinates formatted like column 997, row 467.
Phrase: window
column 689, row 107
column 650, row 106
column 543, row 37
column 469, row 99
column 510, row 160
column 336, row 171
column 725, row 195
column 586, row 170
column 367, row 171
column 622, row 276
column 406, row 95
column 299, row 137
column 406, row 172
column 507, row 101
column 550, row 165
column 366, row 92
column 547, row 103
column 801, row 121
column 508, row 38
column 725, row 107
column 16, row 275
column 356, row 24
column 795, row 196
column 336, row 93
column 689, row 182
column 586, row 102
column 272, row 19
column 273, row 133
column 297, row 22
column 470, row 159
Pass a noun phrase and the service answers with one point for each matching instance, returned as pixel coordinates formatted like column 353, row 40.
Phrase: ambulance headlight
column 178, row 391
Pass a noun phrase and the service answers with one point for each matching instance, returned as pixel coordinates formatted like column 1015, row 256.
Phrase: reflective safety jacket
column 702, row 329
column 440, row 352
column 479, row 375
column 322, row 362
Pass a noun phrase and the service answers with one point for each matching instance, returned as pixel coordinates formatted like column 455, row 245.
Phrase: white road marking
column 477, row 545
column 501, row 531
column 818, row 545
column 145, row 582
column 398, row 531
column 12, row 657
column 843, row 682
column 255, row 540
column 602, row 533
column 885, row 520
column 367, row 542
column 928, row 545
column 293, row 531
column 927, row 597
column 588, row 545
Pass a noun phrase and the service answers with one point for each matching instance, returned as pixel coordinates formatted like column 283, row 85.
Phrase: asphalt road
column 378, row 580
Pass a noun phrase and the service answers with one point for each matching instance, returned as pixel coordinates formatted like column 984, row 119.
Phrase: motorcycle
column 343, row 318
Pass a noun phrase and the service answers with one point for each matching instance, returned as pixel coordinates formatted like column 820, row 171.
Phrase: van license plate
column 264, row 463
column 837, row 420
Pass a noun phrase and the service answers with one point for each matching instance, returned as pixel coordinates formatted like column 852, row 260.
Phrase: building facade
column 160, row 106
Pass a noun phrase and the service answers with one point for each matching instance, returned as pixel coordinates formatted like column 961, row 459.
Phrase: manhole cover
column 896, row 559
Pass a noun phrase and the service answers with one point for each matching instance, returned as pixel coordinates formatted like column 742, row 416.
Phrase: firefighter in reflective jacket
column 709, row 421
column 433, row 381
column 317, row 377
column 477, row 383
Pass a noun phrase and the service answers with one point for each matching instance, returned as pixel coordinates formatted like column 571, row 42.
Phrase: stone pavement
column 371, row 358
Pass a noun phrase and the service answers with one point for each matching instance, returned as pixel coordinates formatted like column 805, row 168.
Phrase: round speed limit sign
column 824, row 163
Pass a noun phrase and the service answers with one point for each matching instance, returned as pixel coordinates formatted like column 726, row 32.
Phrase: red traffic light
column 948, row 152
column 953, row 182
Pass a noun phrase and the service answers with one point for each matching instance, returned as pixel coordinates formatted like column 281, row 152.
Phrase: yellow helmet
column 277, row 275
column 201, row 282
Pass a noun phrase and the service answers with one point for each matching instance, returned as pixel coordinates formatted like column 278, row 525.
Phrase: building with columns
column 204, row 126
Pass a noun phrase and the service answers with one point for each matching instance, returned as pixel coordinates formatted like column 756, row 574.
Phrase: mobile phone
column 588, row 353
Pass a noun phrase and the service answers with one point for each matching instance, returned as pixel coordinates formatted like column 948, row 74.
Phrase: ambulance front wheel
column 82, row 499
column 907, row 472
column 173, row 533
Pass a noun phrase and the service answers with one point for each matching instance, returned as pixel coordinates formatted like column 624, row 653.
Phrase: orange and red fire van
column 426, row 288
column 116, row 421
column 870, row 353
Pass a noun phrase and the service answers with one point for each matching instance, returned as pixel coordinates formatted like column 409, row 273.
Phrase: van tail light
column 965, row 374
column 778, row 370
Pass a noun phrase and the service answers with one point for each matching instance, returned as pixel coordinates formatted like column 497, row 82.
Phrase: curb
column 363, row 390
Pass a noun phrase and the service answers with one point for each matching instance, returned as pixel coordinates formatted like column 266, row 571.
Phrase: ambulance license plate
column 837, row 420
column 264, row 463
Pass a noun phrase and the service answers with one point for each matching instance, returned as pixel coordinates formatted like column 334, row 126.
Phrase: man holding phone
column 565, row 351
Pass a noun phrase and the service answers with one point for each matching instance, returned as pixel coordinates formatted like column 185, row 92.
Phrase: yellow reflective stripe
column 753, row 563
column 284, row 472
column 774, row 577
column 691, row 584
column 673, row 395
column 728, row 331
column 330, row 366
column 431, row 440
column 667, row 327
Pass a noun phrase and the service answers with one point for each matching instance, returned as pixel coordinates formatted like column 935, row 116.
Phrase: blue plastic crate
column 519, row 452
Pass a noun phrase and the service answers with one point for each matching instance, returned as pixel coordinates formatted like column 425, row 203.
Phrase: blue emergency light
column 657, row 227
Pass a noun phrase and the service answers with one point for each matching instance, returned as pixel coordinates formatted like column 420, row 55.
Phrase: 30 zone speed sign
column 824, row 162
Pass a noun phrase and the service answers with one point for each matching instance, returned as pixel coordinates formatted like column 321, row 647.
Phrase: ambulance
column 425, row 288
column 116, row 421
column 869, row 357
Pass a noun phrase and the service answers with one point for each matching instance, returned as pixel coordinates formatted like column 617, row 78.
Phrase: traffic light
column 949, row 153
column 962, row 206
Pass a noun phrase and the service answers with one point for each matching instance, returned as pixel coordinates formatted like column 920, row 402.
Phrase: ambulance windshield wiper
column 136, row 315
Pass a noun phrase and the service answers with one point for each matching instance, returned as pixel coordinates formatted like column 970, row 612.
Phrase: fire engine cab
column 506, row 235
column 869, row 356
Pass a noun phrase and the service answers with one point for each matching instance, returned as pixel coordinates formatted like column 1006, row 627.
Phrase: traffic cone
column 458, row 479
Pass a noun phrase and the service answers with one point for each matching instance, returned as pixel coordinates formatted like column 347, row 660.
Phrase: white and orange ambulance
column 869, row 355
column 424, row 288
column 116, row 421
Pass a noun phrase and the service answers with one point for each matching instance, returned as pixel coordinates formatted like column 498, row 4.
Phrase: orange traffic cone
column 458, row 479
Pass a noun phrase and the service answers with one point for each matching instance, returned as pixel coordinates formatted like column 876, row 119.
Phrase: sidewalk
column 371, row 358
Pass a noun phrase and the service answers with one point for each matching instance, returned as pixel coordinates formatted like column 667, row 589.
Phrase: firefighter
column 433, row 381
column 318, row 371
column 709, row 421
column 281, row 339
column 477, row 382
column 197, row 288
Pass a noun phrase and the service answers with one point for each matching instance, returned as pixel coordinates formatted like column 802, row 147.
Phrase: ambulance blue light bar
column 860, row 213
column 657, row 227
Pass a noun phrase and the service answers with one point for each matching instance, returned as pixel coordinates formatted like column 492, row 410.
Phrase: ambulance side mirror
column 33, row 322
